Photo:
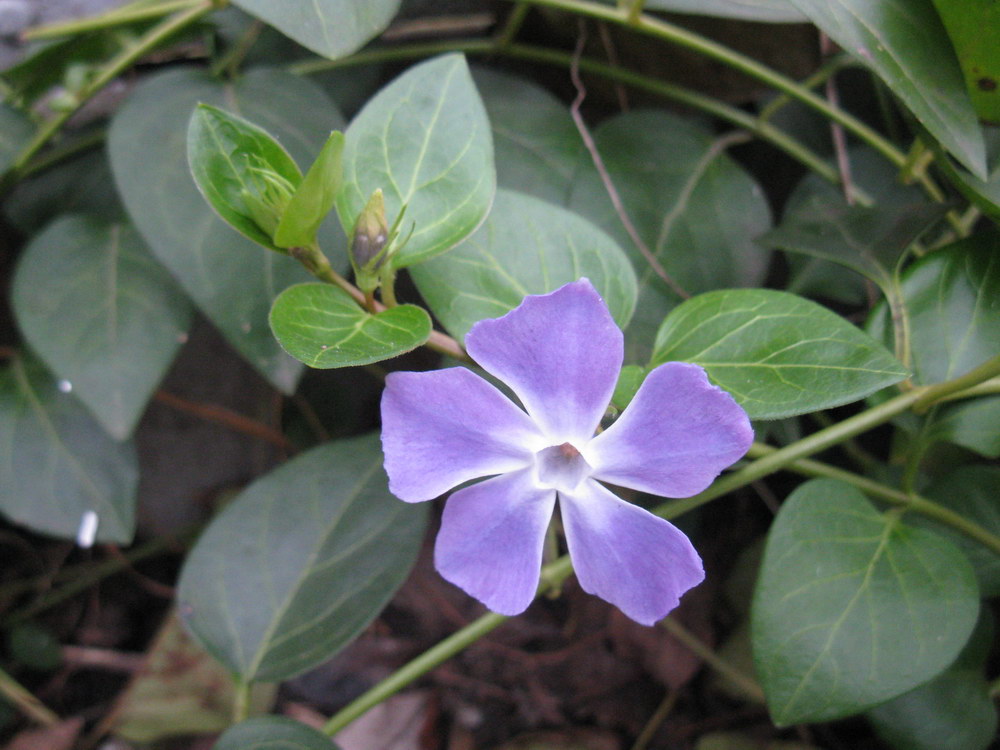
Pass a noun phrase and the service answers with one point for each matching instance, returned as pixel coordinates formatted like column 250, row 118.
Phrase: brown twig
column 227, row 417
column 828, row 48
column 581, row 126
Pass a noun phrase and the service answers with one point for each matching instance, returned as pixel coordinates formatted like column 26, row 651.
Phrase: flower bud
column 370, row 235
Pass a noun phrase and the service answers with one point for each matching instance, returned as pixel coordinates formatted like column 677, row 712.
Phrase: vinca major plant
column 737, row 365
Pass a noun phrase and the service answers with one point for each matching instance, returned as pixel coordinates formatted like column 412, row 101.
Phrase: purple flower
column 560, row 353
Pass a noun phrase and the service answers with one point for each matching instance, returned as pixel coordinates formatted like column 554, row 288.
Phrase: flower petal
column 637, row 561
column 491, row 539
column 675, row 437
column 444, row 427
column 560, row 353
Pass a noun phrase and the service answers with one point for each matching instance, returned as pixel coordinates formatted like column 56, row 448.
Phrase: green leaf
column 102, row 313
column 82, row 184
column 300, row 562
column 952, row 297
column 227, row 154
column 331, row 28
column 869, row 241
column 778, row 354
column 323, row 326
column 314, row 196
column 985, row 194
column 526, row 246
column 977, row 51
column 852, row 607
column 629, row 380
column 953, row 711
column 231, row 279
column 536, row 146
column 273, row 733
column 971, row 491
column 58, row 463
column 15, row 132
column 425, row 141
column 905, row 44
column 768, row 11
column 695, row 208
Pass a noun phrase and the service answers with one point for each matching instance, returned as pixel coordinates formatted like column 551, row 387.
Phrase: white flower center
column 561, row 467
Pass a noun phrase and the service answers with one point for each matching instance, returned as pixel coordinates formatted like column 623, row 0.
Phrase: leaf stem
column 26, row 701
column 746, row 683
column 132, row 13
column 942, row 391
column 241, row 700
column 149, row 41
column 759, row 126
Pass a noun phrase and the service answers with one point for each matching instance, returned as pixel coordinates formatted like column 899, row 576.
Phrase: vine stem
column 26, row 702
column 132, row 13
column 759, row 126
column 668, row 32
column 768, row 461
column 120, row 62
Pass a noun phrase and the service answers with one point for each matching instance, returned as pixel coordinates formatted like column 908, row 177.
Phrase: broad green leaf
column 273, row 733
column 180, row 690
column 300, row 562
column 869, row 241
column 82, row 184
column 952, row 297
column 56, row 463
column 227, row 154
column 92, row 301
column 905, row 44
column 870, row 172
column 425, row 141
column 695, row 208
column 983, row 193
column 769, row 11
column 231, row 279
column 629, row 380
column 853, row 607
column 778, row 354
column 314, row 197
column 536, row 145
column 953, row 711
column 322, row 325
column 331, row 28
column 972, row 26
column 972, row 492
column 526, row 246
column 15, row 132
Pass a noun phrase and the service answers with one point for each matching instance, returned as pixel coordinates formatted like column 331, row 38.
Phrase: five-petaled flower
column 560, row 353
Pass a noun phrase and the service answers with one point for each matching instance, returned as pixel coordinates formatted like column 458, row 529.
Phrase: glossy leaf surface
column 904, row 42
column 776, row 353
column 322, row 326
column 226, row 154
column 231, row 279
column 331, row 28
column 313, row 198
column 536, row 145
column 300, row 562
column 92, row 301
column 852, row 607
column 978, row 53
column 526, row 246
column 695, row 208
column 425, row 141
column 272, row 733
column 952, row 298
column 57, row 461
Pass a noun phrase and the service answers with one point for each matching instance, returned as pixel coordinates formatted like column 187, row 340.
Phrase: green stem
column 758, row 126
column 942, row 391
column 673, row 34
column 26, row 702
column 925, row 507
column 123, row 60
column 747, row 684
column 119, row 17
column 513, row 25
column 63, row 151
column 413, row 670
column 241, row 700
